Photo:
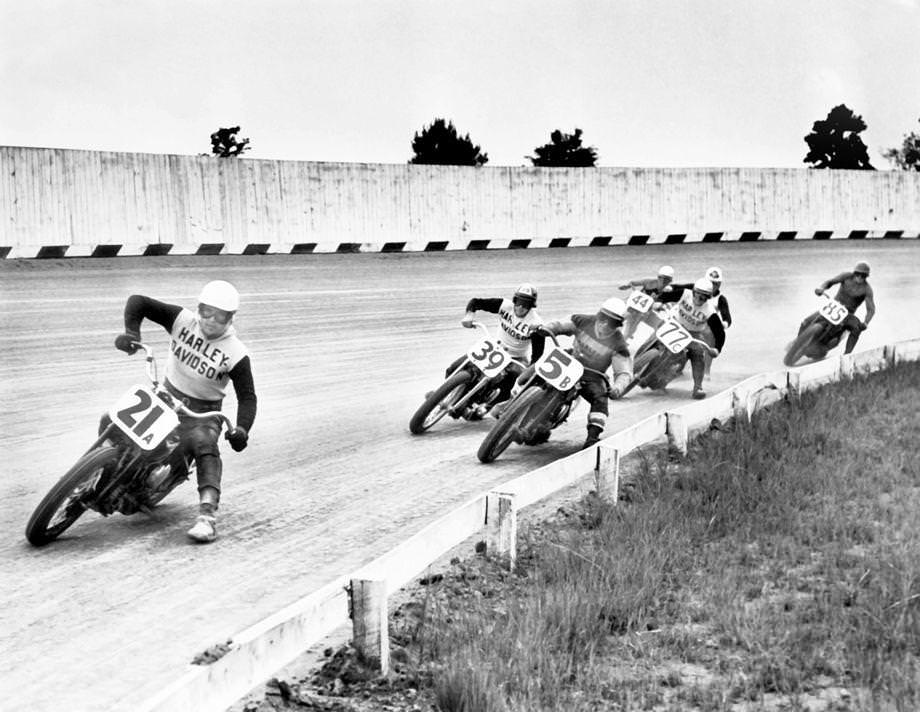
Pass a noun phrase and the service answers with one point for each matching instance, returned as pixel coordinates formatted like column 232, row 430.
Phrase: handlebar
column 178, row 405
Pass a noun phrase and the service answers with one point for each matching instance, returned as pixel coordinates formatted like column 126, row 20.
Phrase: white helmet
column 666, row 271
column 703, row 285
column 220, row 295
column 613, row 308
column 714, row 274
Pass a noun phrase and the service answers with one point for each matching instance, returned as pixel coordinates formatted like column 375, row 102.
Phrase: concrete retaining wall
column 65, row 203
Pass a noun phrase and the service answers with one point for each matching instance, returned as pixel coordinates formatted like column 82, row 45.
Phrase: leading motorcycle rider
column 599, row 344
column 205, row 354
column 854, row 289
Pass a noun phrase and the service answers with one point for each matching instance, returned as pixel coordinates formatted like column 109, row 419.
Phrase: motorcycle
column 821, row 335
column 470, row 388
column 663, row 356
column 135, row 462
column 542, row 404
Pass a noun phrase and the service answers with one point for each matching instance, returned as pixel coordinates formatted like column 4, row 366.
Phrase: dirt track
column 343, row 347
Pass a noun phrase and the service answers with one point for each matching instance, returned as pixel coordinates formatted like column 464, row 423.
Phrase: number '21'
column 126, row 415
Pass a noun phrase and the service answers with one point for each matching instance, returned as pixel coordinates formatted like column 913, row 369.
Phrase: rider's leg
column 201, row 440
column 697, row 367
column 854, row 327
column 594, row 390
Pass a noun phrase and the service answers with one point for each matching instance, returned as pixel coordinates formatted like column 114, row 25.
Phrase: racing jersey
column 594, row 351
column 694, row 318
column 648, row 286
column 197, row 366
column 851, row 293
column 515, row 331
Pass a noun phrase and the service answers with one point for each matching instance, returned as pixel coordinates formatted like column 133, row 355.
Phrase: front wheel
column 63, row 504
column 802, row 343
column 439, row 402
column 508, row 426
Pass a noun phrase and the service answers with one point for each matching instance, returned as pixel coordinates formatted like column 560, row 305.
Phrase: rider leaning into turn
column 714, row 275
column 599, row 344
column 517, row 319
column 854, row 289
column 205, row 355
column 652, row 286
column 695, row 312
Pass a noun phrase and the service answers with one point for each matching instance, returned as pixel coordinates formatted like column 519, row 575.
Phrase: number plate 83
column 143, row 417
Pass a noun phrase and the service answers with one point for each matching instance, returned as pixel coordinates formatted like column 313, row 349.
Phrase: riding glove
column 125, row 342
column 238, row 438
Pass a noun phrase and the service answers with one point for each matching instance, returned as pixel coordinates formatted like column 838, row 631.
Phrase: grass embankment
column 775, row 567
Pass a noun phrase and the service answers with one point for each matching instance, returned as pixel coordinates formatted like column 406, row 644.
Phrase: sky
column 672, row 83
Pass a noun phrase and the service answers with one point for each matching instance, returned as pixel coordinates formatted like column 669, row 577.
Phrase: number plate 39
column 489, row 357
column 144, row 417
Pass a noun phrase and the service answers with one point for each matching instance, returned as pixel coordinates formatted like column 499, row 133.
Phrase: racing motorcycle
column 821, row 335
column 663, row 356
column 470, row 388
column 135, row 462
column 542, row 404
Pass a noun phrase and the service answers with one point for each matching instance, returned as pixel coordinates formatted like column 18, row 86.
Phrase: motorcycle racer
column 599, row 344
column 205, row 355
column 517, row 319
column 652, row 286
column 714, row 275
column 854, row 289
column 695, row 312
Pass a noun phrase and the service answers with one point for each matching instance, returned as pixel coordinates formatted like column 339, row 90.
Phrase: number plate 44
column 144, row 417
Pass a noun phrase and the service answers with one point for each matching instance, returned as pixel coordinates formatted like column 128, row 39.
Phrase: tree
column 834, row 142
column 439, row 144
column 907, row 158
column 565, row 150
column 225, row 144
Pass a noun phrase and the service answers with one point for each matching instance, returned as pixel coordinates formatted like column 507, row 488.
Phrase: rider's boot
column 205, row 528
column 594, row 436
column 852, row 338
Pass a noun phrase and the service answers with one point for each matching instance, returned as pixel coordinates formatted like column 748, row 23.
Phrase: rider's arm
column 828, row 283
column 718, row 331
column 673, row 295
column 490, row 305
column 241, row 376
column 560, row 328
column 139, row 307
column 870, row 305
column 537, row 345
column 722, row 306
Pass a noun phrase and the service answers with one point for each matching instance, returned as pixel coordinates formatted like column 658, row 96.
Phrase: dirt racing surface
column 343, row 348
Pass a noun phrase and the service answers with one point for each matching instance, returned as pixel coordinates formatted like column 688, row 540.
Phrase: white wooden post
column 794, row 383
column 370, row 633
column 678, row 436
column 501, row 525
column 607, row 472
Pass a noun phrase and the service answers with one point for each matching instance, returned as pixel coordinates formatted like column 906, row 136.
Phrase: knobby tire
column 64, row 497
column 800, row 344
column 502, row 433
column 448, row 393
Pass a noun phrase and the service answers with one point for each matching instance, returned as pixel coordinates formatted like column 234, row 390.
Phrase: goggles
column 218, row 315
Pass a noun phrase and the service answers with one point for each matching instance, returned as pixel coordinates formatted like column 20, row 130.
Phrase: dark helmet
column 525, row 295
column 861, row 268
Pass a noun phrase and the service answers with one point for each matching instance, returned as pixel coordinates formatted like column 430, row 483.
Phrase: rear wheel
column 63, row 505
column 507, row 429
column 802, row 343
column 439, row 402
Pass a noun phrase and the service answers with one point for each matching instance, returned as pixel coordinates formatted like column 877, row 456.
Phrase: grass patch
column 775, row 567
